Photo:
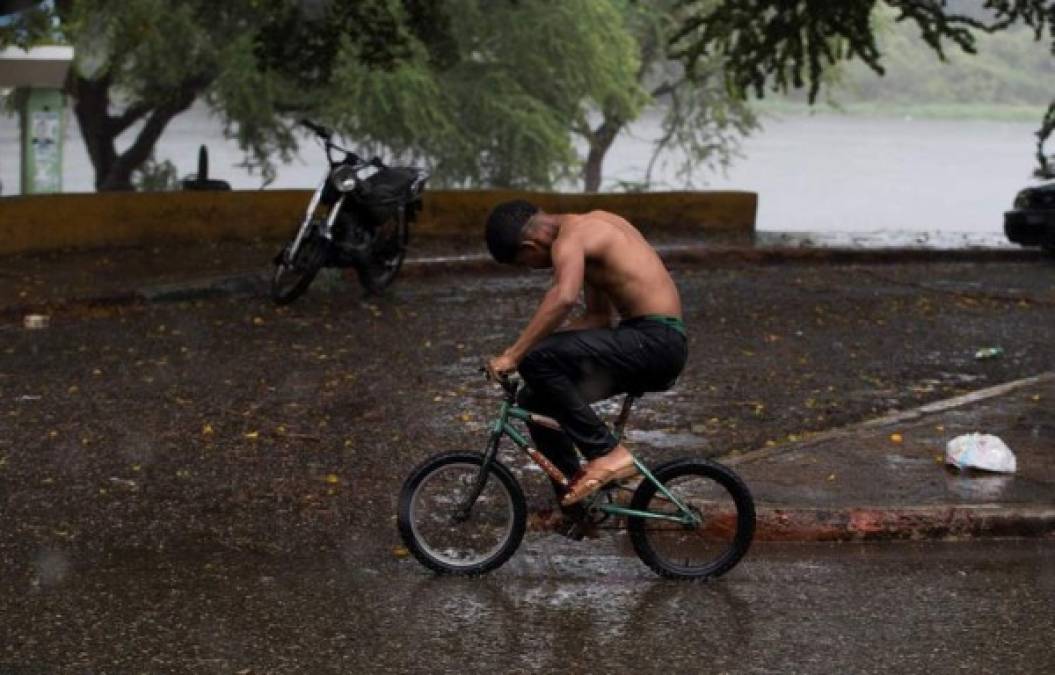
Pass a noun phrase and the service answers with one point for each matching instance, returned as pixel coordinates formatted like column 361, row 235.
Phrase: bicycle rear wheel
column 720, row 501
column 440, row 536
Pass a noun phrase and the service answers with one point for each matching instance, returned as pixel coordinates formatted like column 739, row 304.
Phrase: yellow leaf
column 332, row 479
column 896, row 438
column 207, row 430
column 400, row 551
column 257, row 321
column 831, row 476
column 252, row 435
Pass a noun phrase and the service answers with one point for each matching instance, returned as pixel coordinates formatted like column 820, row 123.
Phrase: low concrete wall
column 50, row 222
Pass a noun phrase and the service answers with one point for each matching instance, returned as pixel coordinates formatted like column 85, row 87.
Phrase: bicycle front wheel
column 725, row 514
column 446, row 538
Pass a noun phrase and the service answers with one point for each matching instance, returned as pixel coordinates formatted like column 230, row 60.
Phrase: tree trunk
column 113, row 172
column 600, row 140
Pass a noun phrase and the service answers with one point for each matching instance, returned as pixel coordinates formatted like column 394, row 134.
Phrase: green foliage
column 701, row 116
column 788, row 43
column 154, row 176
column 499, row 112
column 1010, row 68
column 253, row 61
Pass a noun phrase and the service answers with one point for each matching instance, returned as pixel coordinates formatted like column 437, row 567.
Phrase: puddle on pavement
column 665, row 439
column 899, row 461
column 885, row 239
column 978, row 487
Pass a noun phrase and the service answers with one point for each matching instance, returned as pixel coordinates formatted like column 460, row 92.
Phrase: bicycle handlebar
column 509, row 385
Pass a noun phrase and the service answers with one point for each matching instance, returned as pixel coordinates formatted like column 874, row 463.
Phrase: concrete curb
column 894, row 418
column 788, row 524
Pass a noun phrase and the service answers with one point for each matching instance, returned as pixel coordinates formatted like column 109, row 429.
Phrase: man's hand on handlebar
column 500, row 367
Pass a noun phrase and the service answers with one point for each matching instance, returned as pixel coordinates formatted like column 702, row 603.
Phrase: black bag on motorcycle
column 383, row 192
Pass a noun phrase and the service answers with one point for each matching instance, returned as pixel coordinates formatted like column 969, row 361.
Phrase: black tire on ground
column 433, row 537
column 291, row 279
column 385, row 257
column 722, row 501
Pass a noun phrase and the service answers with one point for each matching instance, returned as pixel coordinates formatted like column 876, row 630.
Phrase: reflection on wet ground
column 556, row 607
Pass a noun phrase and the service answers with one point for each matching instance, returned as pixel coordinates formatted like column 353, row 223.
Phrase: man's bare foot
column 618, row 464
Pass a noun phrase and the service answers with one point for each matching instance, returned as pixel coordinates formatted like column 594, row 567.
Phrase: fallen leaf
column 896, row 438
column 252, row 435
column 400, row 551
column 332, row 479
column 207, row 430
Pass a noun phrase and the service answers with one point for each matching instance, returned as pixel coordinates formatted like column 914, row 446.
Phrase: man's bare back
column 622, row 265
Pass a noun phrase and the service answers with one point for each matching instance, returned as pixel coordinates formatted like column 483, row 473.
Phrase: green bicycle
column 464, row 513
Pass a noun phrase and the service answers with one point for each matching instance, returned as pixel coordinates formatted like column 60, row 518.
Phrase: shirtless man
column 606, row 258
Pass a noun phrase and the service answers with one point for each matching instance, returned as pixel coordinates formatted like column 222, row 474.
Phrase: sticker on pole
column 980, row 451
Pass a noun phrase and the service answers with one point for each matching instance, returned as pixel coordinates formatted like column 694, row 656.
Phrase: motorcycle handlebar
column 317, row 128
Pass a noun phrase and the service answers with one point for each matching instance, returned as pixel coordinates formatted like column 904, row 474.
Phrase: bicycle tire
column 411, row 534
column 713, row 474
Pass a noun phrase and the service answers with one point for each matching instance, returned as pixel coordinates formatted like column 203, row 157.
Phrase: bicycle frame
column 503, row 427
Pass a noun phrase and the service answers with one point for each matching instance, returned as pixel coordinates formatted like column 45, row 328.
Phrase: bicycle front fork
column 465, row 509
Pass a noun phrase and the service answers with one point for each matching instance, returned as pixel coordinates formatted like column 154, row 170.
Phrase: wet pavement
column 210, row 485
column 887, row 477
column 556, row 607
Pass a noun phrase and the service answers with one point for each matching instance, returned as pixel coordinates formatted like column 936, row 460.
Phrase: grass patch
column 948, row 111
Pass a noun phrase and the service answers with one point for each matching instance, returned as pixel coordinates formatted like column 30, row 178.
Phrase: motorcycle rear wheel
column 385, row 257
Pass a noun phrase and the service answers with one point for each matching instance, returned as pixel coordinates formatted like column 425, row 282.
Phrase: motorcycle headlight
column 344, row 178
column 1022, row 200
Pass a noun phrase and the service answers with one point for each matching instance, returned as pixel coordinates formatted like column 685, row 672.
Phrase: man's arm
column 569, row 265
column 598, row 312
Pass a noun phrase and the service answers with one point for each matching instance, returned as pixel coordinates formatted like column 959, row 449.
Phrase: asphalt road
column 210, row 486
column 556, row 607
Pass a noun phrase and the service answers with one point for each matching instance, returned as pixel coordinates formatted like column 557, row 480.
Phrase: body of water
column 823, row 173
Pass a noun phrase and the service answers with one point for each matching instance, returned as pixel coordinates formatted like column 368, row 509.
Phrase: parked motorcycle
column 359, row 217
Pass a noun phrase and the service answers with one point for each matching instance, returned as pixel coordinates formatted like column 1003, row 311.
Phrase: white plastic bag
column 980, row 451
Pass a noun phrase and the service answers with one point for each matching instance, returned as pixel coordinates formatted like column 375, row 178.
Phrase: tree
column 142, row 62
column 789, row 43
column 701, row 116
column 525, row 77
column 499, row 111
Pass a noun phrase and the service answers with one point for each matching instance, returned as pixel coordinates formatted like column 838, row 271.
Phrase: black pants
column 569, row 370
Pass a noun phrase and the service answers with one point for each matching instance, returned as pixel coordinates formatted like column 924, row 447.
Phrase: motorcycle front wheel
column 292, row 277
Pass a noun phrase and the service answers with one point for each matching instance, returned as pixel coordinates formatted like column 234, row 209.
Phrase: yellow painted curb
column 50, row 222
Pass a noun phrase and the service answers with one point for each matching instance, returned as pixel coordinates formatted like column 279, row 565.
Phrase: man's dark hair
column 505, row 228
